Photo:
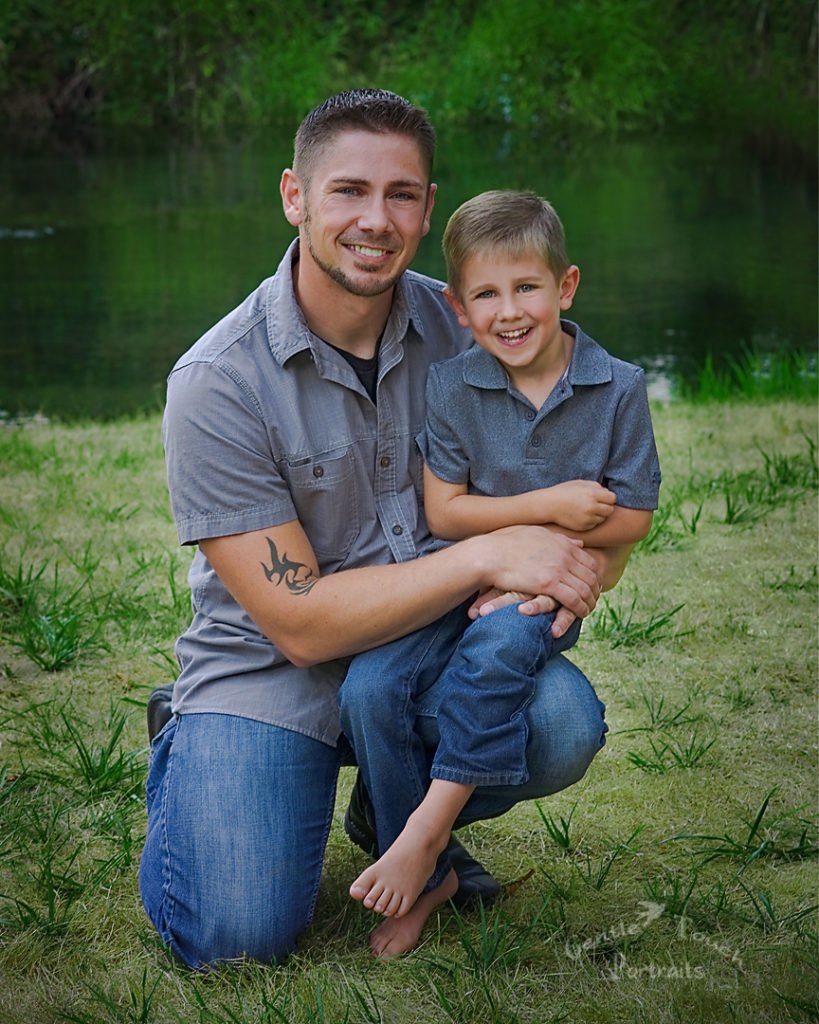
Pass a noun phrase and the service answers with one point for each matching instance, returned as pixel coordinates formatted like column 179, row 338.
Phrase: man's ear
column 292, row 197
column 430, row 203
column 568, row 286
column 457, row 306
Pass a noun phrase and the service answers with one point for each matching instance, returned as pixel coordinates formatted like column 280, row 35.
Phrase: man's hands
column 563, row 575
column 578, row 504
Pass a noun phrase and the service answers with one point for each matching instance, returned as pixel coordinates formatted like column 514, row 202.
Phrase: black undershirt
column 365, row 369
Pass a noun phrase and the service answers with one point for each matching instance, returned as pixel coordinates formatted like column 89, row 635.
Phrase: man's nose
column 374, row 216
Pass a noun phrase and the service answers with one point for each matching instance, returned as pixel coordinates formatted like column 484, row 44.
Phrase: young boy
column 534, row 424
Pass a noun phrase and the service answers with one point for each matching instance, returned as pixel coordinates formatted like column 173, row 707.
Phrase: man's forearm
column 313, row 619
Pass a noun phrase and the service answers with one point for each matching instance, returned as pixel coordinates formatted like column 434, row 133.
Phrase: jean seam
column 410, row 740
column 167, row 906
column 327, row 825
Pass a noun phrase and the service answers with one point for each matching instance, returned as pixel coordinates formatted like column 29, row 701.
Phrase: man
column 289, row 439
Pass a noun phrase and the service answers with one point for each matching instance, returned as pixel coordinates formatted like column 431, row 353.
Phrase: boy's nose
column 509, row 307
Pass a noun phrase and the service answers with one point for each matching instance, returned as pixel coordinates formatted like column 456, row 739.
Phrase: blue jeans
column 239, row 813
column 485, row 675
column 238, row 818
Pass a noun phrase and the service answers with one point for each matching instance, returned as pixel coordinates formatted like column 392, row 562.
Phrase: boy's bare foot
column 392, row 885
column 399, row 935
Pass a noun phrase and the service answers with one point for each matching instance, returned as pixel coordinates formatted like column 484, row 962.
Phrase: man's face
column 364, row 210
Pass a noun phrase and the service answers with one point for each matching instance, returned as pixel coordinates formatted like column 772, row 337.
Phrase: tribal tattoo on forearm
column 296, row 576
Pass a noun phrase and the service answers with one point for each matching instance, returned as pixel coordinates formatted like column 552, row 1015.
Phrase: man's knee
column 370, row 694
column 569, row 746
column 214, row 926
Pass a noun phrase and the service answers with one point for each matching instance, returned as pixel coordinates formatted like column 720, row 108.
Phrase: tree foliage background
column 223, row 65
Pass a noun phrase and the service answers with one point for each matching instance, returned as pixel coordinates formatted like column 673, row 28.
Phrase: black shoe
column 159, row 709
column 358, row 819
column 475, row 884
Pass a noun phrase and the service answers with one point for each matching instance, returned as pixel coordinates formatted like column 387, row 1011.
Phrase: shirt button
column 530, row 415
column 397, row 530
column 318, row 470
column 385, row 461
column 536, row 442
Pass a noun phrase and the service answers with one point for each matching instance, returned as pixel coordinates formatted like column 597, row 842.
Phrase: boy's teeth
column 514, row 334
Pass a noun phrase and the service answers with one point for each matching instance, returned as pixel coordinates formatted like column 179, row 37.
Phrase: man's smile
column 368, row 251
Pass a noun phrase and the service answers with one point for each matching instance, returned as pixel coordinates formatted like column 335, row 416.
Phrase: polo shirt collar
column 287, row 330
column 590, row 364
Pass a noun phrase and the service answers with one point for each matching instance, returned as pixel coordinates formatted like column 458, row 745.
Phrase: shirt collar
column 590, row 364
column 287, row 330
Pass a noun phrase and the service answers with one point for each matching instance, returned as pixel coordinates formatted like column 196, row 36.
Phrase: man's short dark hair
column 369, row 110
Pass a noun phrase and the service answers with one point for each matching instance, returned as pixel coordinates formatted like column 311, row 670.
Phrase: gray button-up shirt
column 595, row 425
column 264, row 424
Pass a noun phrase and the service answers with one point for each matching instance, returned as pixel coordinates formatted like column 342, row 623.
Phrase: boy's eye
column 526, row 288
column 487, row 293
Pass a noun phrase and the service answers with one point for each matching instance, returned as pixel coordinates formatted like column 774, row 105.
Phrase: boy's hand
column 580, row 504
column 489, row 601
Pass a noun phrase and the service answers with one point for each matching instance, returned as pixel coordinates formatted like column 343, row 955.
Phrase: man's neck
column 352, row 323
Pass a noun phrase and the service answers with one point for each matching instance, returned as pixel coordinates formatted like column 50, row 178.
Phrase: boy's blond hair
column 513, row 224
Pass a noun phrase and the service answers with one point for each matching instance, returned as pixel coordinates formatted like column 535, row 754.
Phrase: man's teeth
column 366, row 250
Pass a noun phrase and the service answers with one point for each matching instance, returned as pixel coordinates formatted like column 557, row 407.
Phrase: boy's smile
column 512, row 305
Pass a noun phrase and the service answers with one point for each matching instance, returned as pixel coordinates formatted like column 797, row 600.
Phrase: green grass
column 758, row 375
column 676, row 882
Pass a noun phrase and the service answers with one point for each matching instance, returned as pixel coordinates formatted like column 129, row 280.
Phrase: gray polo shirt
column 264, row 424
column 595, row 425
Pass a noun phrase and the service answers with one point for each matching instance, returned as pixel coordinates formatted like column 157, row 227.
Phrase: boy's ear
column 457, row 306
column 568, row 286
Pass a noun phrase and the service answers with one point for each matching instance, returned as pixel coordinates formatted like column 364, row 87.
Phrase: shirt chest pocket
column 324, row 491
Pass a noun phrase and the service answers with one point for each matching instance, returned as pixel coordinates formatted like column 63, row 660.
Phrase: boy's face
column 513, row 306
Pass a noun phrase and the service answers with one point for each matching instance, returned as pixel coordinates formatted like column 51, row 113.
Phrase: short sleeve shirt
column 595, row 425
column 264, row 424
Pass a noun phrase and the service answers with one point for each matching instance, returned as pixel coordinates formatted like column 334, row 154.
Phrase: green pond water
column 113, row 262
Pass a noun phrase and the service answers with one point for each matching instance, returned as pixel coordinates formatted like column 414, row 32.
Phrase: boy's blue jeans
column 239, row 813
column 483, row 676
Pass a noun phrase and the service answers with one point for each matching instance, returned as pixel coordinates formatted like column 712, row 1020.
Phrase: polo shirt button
column 536, row 442
column 530, row 415
column 385, row 461
column 397, row 530
column 318, row 470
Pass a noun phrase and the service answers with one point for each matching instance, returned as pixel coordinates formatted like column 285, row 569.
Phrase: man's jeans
column 483, row 674
column 239, row 813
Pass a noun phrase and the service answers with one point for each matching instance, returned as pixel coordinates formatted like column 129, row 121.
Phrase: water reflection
column 112, row 264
